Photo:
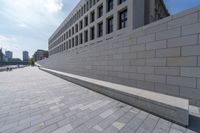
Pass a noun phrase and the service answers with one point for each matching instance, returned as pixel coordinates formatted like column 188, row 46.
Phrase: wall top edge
column 153, row 24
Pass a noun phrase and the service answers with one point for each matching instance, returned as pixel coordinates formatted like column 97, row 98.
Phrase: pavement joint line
column 29, row 103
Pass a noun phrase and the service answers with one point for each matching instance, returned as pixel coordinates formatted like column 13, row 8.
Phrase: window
column 72, row 42
column 121, row 1
column 90, row 3
column 92, row 33
column 66, row 35
column 72, row 30
column 69, row 33
column 100, row 29
column 109, row 5
column 87, row 5
column 86, row 36
column 76, row 27
column 84, row 9
column 109, row 25
column 123, row 19
column 92, row 16
column 64, row 46
column 100, row 11
column 81, row 38
column 81, row 11
column 67, row 46
column 94, row 2
column 76, row 40
column 86, row 21
column 81, row 25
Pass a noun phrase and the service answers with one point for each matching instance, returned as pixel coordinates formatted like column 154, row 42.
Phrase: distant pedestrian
column 7, row 69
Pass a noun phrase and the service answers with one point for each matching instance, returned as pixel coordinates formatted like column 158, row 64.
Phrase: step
column 172, row 108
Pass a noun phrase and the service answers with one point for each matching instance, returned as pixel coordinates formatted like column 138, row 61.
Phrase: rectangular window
column 72, row 42
column 92, row 33
column 81, row 25
column 94, row 2
column 87, row 5
column 90, row 3
column 86, row 36
column 81, row 11
column 121, row 1
column 67, row 46
column 66, row 35
column 72, row 30
column 84, row 8
column 109, row 25
column 69, row 33
column 100, row 29
column 76, row 27
column 81, row 38
column 109, row 5
column 100, row 11
column 123, row 19
column 92, row 16
column 86, row 20
column 76, row 41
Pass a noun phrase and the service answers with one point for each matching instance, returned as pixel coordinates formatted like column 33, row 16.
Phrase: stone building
column 25, row 56
column 155, row 10
column 95, row 19
column 9, row 55
column 111, row 41
column 40, row 55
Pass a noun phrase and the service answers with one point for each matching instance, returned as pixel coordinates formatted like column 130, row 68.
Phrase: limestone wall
column 163, row 56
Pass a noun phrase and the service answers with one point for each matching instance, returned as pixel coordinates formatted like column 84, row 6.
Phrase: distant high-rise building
column 9, row 55
column 25, row 56
column 1, row 55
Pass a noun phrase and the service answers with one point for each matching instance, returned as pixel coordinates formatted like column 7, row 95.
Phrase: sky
column 27, row 24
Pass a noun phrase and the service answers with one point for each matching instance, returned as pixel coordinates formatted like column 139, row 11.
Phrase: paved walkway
column 35, row 101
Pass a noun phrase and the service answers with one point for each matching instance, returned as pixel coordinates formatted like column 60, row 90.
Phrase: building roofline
column 165, row 8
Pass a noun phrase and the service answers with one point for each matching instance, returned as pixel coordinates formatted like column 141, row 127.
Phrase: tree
column 32, row 62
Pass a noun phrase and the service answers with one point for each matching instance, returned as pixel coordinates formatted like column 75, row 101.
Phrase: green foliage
column 32, row 62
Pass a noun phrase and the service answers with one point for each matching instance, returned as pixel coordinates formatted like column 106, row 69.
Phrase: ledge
column 171, row 108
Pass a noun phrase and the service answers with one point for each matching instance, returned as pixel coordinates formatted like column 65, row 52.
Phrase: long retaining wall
column 163, row 57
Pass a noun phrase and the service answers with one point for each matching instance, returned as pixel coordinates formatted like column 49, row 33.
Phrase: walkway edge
column 169, row 107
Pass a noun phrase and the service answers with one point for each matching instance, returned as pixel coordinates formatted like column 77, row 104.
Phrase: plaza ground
column 34, row 101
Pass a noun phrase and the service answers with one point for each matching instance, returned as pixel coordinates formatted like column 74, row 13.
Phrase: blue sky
column 27, row 24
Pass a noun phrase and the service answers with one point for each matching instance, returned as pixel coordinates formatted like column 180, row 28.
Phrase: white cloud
column 33, row 13
column 8, row 43
column 53, row 5
column 29, row 23
column 4, row 39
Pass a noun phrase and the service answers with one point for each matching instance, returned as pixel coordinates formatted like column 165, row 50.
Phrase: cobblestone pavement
column 35, row 101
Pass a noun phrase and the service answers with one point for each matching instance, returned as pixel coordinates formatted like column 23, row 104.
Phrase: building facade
column 40, row 55
column 25, row 56
column 162, row 56
column 9, row 55
column 93, row 20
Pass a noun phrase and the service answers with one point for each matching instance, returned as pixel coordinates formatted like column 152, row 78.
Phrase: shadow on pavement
column 194, row 123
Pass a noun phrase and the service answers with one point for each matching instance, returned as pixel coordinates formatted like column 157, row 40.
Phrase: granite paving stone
column 33, row 101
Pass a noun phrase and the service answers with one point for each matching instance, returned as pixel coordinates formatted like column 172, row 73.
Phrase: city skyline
column 28, row 26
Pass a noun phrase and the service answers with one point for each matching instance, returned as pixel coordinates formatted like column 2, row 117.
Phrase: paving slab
column 33, row 101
